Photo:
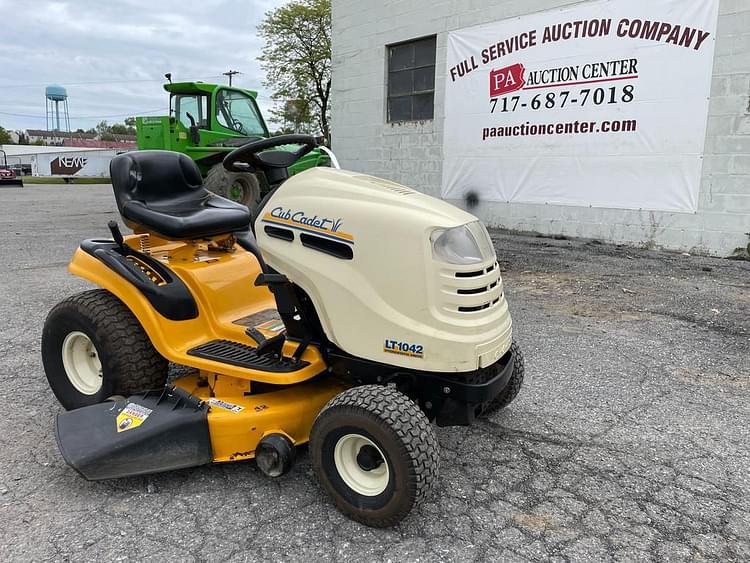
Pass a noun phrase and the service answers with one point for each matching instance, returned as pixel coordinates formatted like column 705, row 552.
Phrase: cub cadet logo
column 323, row 226
column 69, row 165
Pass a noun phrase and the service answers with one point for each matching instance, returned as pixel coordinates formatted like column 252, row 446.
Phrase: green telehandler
column 208, row 121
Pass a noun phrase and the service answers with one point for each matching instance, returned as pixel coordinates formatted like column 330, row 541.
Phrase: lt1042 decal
column 403, row 348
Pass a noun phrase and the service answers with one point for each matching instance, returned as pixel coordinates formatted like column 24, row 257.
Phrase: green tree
column 297, row 60
column 103, row 130
column 107, row 132
column 296, row 116
column 118, row 129
column 5, row 137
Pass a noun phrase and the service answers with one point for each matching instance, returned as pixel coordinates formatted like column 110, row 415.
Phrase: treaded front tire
column 356, row 429
column 117, row 344
column 510, row 391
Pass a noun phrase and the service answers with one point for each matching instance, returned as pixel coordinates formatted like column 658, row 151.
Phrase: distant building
column 55, row 138
column 42, row 160
column 81, row 140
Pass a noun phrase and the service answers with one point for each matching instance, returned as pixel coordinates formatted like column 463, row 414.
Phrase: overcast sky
column 125, row 47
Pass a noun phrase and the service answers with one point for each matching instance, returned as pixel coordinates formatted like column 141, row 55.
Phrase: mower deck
column 239, row 418
column 147, row 433
column 204, row 419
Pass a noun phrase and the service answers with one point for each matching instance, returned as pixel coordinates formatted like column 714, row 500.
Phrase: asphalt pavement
column 629, row 441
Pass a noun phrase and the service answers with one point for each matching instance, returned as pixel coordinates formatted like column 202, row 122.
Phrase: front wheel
column 375, row 454
column 93, row 347
column 242, row 187
column 511, row 389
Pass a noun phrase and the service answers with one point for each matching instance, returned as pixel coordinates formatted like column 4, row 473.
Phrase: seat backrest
column 153, row 176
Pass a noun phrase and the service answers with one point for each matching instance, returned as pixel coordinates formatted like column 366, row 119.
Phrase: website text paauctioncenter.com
column 560, row 128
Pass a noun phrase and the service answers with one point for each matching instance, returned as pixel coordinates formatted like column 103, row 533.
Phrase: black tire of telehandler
column 130, row 363
column 219, row 180
column 403, row 434
column 510, row 391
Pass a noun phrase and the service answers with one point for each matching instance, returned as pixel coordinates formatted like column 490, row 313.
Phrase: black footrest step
column 244, row 356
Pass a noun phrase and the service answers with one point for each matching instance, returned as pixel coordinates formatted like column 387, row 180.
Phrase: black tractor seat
column 162, row 192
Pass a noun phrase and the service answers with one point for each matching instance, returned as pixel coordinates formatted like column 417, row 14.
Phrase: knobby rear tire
column 129, row 362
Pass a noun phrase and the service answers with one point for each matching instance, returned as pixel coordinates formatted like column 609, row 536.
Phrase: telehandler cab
column 208, row 121
column 349, row 313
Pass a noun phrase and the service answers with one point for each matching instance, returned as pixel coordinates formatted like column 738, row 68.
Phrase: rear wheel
column 242, row 187
column 93, row 347
column 375, row 454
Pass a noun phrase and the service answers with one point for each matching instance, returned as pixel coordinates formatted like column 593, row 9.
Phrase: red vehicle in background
column 8, row 175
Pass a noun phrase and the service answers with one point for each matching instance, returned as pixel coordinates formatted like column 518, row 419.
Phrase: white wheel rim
column 81, row 363
column 368, row 483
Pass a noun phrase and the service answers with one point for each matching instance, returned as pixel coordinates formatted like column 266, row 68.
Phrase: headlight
column 467, row 244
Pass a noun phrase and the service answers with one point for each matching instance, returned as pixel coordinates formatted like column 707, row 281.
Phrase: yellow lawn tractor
column 349, row 313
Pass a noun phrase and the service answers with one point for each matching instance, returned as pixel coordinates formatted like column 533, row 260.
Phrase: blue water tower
column 57, row 107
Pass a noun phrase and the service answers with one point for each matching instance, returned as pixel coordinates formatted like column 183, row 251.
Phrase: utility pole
column 230, row 74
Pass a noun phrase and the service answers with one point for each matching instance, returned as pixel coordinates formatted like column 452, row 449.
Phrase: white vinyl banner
column 602, row 104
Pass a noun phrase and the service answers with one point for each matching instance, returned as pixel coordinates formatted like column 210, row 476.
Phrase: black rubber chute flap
column 158, row 431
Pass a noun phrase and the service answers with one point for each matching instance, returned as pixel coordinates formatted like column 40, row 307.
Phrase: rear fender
column 163, row 332
column 219, row 305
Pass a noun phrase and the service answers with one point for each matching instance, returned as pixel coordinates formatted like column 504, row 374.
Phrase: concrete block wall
column 411, row 153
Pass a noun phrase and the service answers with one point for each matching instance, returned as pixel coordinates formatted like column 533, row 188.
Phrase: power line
column 94, row 82
column 101, row 82
column 130, row 114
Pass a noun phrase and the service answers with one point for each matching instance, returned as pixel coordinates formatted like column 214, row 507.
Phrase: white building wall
column 411, row 153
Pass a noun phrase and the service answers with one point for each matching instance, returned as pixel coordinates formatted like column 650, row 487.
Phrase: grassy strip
column 53, row 180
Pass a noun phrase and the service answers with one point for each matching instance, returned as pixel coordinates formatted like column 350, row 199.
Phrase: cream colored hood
column 360, row 247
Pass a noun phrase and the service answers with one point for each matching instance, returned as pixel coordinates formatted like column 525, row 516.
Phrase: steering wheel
column 237, row 126
column 252, row 154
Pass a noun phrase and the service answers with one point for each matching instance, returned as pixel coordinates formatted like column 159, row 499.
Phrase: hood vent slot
column 277, row 232
column 386, row 185
column 327, row 246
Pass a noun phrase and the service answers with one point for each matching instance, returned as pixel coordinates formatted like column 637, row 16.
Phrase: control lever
column 195, row 135
column 273, row 345
column 270, row 279
column 117, row 235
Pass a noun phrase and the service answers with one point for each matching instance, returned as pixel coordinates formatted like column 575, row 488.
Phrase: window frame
column 412, row 94
column 202, row 121
column 253, row 104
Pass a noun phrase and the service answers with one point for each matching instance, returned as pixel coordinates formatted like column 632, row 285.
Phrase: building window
column 411, row 80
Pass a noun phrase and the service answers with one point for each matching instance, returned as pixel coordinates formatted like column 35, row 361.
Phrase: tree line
column 103, row 130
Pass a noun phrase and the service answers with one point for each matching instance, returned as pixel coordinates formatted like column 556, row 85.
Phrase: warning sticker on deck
column 276, row 325
column 132, row 416
column 224, row 405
